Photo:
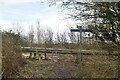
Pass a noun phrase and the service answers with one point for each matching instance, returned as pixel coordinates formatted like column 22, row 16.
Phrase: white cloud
column 48, row 17
column 5, row 25
column 19, row 1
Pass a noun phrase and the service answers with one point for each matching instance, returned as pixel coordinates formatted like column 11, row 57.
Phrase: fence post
column 35, row 55
column 39, row 57
column 45, row 55
column 30, row 55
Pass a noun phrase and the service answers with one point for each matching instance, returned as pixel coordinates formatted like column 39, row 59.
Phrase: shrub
column 11, row 52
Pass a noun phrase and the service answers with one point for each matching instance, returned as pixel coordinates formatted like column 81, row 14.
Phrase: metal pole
column 80, row 58
column 80, row 27
column 81, row 43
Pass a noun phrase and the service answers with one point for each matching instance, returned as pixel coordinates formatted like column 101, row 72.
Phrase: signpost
column 75, row 30
column 79, row 30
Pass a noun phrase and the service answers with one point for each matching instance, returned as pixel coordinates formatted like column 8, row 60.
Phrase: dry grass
column 37, row 69
column 99, row 67
column 64, row 66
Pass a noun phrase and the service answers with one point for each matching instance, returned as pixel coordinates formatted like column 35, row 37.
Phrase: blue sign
column 75, row 30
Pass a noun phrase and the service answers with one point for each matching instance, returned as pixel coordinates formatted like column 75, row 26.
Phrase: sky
column 28, row 12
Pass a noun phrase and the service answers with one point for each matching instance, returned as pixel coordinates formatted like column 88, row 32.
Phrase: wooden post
column 30, row 55
column 118, row 66
column 35, row 55
column 39, row 56
column 45, row 55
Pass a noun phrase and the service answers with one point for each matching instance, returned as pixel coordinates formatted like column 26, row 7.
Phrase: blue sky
column 27, row 12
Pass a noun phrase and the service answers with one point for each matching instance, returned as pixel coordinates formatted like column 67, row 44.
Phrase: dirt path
column 64, row 70
column 65, row 67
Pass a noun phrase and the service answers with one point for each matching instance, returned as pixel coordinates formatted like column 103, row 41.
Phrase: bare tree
column 64, row 40
column 17, row 28
column 39, row 33
column 58, row 38
column 31, row 35
column 48, row 38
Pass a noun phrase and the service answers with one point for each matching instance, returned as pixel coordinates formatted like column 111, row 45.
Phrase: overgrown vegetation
column 12, row 55
column 64, row 66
